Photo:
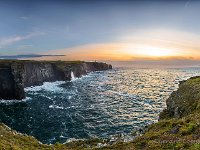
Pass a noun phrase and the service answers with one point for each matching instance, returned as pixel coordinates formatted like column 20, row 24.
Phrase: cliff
column 16, row 75
column 184, row 101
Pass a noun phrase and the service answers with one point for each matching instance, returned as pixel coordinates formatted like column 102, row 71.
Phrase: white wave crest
column 47, row 86
column 56, row 107
column 12, row 101
column 72, row 76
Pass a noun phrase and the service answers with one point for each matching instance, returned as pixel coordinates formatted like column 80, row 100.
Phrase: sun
column 147, row 51
column 155, row 52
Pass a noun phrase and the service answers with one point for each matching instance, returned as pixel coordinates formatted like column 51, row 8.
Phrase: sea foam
column 47, row 86
column 12, row 101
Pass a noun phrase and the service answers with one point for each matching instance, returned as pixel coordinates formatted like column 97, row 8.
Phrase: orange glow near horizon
column 121, row 51
column 158, row 44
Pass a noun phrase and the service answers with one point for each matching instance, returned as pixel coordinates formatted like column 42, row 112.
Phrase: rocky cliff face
column 184, row 101
column 7, row 86
column 15, row 75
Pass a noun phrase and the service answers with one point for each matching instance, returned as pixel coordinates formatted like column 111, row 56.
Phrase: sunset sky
column 120, row 30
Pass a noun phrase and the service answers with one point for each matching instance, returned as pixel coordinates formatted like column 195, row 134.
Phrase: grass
column 186, row 100
column 8, row 61
column 10, row 139
column 60, row 64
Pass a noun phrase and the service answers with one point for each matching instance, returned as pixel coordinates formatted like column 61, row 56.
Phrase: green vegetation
column 10, row 139
column 60, row 64
column 184, row 101
column 175, row 130
column 8, row 61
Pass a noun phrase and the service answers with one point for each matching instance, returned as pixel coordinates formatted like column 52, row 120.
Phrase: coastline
column 169, row 132
column 15, row 75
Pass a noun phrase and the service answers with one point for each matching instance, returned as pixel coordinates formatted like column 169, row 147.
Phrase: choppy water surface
column 97, row 105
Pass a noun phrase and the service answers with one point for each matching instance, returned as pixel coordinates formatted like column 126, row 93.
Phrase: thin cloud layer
column 11, row 40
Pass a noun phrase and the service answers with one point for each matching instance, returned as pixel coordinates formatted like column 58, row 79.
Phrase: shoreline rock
column 184, row 101
column 15, row 75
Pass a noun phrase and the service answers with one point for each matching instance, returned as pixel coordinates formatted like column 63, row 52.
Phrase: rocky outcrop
column 16, row 75
column 18, row 79
column 7, row 89
column 184, row 101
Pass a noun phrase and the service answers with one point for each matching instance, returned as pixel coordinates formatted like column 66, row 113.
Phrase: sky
column 103, row 30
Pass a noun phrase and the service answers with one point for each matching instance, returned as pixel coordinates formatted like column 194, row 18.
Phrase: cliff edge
column 15, row 75
column 184, row 101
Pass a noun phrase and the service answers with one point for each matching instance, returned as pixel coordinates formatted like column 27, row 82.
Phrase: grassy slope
column 10, row 139
column 168, row 133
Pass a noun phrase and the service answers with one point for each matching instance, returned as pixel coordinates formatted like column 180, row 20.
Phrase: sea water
column 100, row 104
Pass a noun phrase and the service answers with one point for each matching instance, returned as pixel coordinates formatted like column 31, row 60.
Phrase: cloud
column 187, row 4
column 21, row 47
column 25, row 56
column 24, row 18
column 10, row 40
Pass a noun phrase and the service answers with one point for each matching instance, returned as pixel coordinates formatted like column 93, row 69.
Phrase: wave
column 56, row 107
column 47, row 86
column 12, row 101
column 80, row 78
column 72, row 76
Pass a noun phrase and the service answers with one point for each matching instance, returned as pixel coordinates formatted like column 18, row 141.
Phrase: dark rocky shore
column 15, row 75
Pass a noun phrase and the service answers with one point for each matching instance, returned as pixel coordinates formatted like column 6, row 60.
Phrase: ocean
column 101, row 104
